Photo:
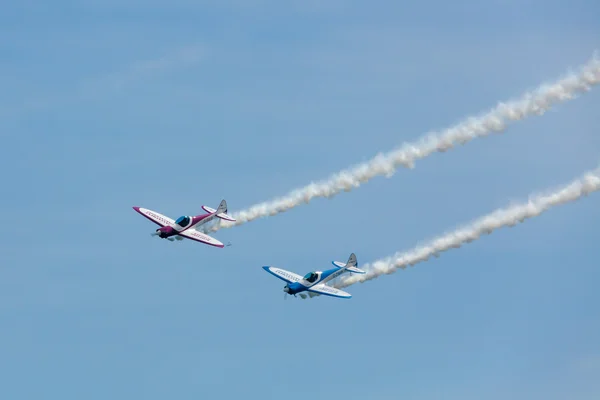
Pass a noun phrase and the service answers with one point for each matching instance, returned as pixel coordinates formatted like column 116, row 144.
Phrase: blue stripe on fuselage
column 331, row 273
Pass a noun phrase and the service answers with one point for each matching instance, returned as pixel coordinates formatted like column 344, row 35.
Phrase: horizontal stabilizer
column 350, row 269
column 208, row 209
column 226, row 217
column 221, row 215
column 350, row 265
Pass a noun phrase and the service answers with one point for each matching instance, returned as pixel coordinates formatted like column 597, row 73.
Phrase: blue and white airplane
column 314, row 282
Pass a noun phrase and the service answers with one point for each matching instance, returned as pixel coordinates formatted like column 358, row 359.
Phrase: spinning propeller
column 286, row 292
column 170, row 239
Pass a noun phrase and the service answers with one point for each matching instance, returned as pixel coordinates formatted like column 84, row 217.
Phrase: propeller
column 286, row 292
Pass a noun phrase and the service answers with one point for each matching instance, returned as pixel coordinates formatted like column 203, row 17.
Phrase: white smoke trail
column 588, row 183
column 531, row 103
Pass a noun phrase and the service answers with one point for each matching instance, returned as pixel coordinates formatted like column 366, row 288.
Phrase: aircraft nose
column 286, row 289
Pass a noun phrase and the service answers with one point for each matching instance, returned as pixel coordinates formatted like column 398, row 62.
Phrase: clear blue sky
column 173, row 104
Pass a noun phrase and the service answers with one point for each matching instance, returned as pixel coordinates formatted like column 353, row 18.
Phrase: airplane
column 187, row 226
column 314, row 282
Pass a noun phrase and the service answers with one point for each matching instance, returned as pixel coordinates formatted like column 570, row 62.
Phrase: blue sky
column 171, row 105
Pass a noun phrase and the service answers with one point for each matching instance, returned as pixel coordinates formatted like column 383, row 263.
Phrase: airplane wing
column 321, row 288
column 284, row 275
column 155, row 217
column 201, row 237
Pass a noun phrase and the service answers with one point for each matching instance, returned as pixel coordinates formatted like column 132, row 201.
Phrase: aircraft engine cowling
column 164, row 231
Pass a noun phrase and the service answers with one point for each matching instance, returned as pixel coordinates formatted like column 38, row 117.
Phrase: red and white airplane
column 186, row 226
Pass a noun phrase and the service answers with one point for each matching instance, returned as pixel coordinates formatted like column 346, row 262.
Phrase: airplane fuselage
column 186, row 226
column 322, row 277
column 314, row 282
column 187, row 223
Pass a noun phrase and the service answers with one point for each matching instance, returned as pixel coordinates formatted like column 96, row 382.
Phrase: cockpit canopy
column 183, row 221
column 311, row 277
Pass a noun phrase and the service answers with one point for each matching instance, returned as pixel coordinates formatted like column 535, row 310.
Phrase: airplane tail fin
column 222, row 207
column 221, row 211
column 350, row 266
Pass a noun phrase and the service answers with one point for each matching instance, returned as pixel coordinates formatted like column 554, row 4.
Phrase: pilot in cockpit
column 183, row 221
column 311, row 277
